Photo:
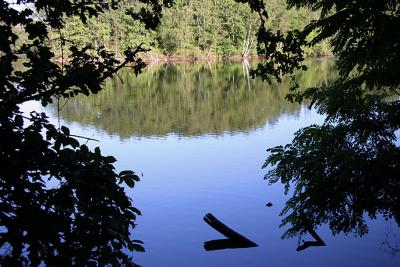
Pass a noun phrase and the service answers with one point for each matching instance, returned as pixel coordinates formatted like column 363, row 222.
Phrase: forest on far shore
column 191, row 28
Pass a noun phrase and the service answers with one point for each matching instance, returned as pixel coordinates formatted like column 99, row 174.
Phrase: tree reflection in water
column 344, row 171
column 189, row 99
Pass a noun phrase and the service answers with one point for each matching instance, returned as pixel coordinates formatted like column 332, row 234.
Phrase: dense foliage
column 61, row 204
column 192, row 28
column 348, row 168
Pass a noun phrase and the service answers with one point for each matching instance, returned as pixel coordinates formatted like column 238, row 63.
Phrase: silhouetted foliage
column 347, row 168
column 283, row 52
column 61, row 204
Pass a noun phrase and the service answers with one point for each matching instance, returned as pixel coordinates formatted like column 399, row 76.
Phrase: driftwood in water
column 235, row 240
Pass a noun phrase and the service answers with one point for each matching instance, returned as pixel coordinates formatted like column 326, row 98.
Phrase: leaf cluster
column 61, row 203
column 348, row 167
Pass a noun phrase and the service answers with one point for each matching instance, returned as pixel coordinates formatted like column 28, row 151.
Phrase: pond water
column 197, row 134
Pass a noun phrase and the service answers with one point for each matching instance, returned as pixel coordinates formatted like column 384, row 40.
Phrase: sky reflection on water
column 197, row 157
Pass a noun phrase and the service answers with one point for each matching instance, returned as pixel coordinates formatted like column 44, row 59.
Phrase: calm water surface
column 198, row 133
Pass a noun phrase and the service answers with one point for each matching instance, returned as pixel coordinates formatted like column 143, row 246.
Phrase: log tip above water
column 234, row 239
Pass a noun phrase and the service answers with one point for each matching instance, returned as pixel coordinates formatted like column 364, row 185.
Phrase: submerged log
column 235, row 240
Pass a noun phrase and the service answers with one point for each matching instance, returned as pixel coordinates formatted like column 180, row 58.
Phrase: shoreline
column 213, row 58
column 148, row 59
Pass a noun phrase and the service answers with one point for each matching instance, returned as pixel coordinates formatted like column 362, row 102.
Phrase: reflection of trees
column 188, row 99
column 342, row 173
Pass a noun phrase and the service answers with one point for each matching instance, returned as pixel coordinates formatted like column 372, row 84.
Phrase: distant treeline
column 191, row 28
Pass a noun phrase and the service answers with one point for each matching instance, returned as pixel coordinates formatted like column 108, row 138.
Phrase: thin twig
column 64, row 104
column 83, row 137
column 119, row 77
column 58, row 113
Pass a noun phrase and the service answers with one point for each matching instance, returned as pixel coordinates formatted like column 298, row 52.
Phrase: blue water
column 183, row 177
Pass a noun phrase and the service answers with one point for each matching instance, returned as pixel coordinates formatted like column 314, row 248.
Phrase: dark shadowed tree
column 348, row 168
column 61, row 204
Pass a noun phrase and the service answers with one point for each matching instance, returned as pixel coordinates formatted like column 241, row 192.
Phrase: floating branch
column 234, row 239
